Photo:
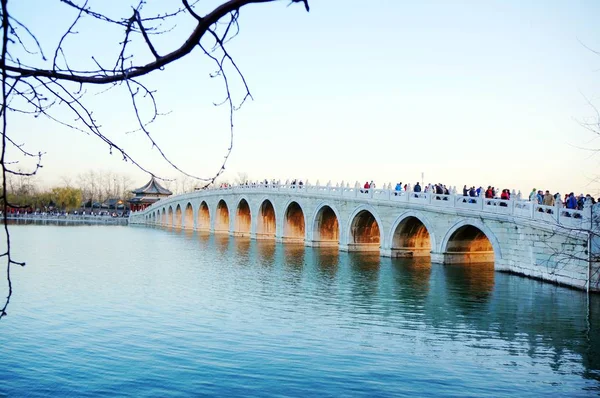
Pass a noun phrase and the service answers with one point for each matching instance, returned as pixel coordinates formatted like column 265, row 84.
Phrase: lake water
column 126, row 311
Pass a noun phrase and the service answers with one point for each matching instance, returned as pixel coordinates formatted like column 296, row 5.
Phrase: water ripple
column 111, row 311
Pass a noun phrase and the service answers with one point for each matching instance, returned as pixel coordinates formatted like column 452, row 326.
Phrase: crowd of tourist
column 570, row 201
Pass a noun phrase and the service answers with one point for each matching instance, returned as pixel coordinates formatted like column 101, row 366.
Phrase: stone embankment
column 66, row 219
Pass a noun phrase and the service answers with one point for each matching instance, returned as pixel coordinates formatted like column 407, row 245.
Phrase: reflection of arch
column 267, row 221
column 203, row 223
column 243, row 218
column 466, row 238
column 222, row 217
column 412, row 233
column 178, row 217
column 294, row 222
column 364, row 229
column 467, row 286
column 189, row 216
column 326, row 225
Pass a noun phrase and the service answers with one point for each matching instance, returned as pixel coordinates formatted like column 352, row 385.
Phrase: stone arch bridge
column 550, row 243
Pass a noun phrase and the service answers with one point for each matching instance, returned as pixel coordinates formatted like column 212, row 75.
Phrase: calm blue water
column 124, row 311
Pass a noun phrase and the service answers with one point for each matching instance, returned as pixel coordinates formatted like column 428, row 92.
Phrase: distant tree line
column 25, row 193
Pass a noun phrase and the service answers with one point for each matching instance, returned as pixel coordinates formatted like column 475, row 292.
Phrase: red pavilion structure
column 150, row 193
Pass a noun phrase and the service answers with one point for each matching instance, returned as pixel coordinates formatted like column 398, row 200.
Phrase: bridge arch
column 266, row 220
column 188, row 219
column 170, row 216
column 412, row 232
column 294, row 222
column 243, row 218
column 364, row 229
column 178, row 217
column 203, row 222
column 163, row 217
column 325, row 225
column 222, row 217
column 470, row 241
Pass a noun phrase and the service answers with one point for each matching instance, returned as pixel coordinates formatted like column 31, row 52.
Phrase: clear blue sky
column 468, row 92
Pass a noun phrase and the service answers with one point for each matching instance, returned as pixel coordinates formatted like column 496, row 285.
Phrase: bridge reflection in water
column 460, row 303
column 485, row 303
column 261, row 317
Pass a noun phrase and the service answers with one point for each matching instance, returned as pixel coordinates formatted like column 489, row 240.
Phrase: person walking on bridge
column 533, row 195
column 548, row 199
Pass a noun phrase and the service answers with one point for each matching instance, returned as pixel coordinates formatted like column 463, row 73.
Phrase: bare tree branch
column 38, row 90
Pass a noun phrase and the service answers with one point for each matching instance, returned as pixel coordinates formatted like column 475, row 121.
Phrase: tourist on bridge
column 580, row 202
column 489, row 194
column 533, row 195
column 398, row 189
column 505, row 195
column 548, row 199
column 366, row 187
column 539, row 197
column 417, row 187
column 558, row 200
column 571, row 201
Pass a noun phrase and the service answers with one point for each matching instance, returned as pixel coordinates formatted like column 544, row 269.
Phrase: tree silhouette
column 41, row 83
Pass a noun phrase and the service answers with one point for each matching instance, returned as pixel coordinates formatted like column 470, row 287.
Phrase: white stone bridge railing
column 513, row 207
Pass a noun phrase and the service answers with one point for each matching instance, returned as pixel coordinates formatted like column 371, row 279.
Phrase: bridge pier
column 406, row 252
column 290, row 239
column 462, row 257
column 360, row 247
column 322, row 243
column 437, row 257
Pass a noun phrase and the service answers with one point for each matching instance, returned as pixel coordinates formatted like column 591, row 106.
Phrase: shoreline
column 70, row 219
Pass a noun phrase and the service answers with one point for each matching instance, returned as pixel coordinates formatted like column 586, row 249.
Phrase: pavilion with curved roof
column 150, row 193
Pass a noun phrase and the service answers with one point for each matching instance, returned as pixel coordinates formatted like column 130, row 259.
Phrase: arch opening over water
column 203, row 223
column 468, row 244
column 243, row 219
column 326, row 228
column 163, row 217
column 411, row 239
column 293, row 224
column 266, row 222
column 170, row 217
column 189, row 217
column 222, row 218
column 178, row 217
column 364, row 232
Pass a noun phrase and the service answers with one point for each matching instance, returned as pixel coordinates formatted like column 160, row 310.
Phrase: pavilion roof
column 152, row 187
column 141, row 199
